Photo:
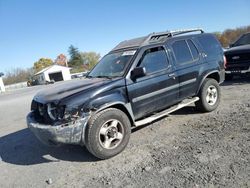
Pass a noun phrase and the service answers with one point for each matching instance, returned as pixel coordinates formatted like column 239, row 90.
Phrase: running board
column 154, row 117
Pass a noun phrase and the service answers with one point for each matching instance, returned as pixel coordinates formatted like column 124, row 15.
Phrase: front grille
column 238, row 58
column 237, row 68
column 238, row 61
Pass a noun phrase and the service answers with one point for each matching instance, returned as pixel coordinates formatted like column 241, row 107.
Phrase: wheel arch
column 213, row 74
column 126, row 108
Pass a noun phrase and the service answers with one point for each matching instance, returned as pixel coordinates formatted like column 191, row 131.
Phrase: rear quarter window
column 210, row 45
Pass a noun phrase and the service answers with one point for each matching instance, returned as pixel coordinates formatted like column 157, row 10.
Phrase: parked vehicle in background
column 238, row 57
column 33, row 82
column 139, row 81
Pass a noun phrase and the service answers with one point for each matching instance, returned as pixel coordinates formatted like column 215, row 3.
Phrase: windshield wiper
column 103, row 76
column 89, row 76
column 108, row 77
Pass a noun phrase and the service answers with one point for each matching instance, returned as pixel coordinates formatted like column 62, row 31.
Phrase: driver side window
column 154, row 60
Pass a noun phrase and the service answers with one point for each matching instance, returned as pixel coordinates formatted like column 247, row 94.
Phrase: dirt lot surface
column 185, row 149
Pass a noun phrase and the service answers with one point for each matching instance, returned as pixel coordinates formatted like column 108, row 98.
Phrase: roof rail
column 156, row 37
column 183, row 31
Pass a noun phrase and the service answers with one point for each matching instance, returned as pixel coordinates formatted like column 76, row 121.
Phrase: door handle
column 204, row 55
column 172, row 75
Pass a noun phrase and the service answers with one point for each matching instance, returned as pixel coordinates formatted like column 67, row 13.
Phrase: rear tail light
column 225, row 61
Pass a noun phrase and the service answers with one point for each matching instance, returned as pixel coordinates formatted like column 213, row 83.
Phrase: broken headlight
column 55, row 112
column 72, row 113
column 62, row 113
column 41, row 109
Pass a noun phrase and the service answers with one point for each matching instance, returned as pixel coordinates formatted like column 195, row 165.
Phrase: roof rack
column 153, row 38
column 183, row 31
column 156, row 37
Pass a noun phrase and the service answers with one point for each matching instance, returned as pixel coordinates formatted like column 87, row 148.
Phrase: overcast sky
column 31, row 29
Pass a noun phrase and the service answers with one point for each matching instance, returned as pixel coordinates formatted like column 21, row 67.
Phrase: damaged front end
column 53, row 124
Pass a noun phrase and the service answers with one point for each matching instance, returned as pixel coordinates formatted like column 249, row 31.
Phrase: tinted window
column 210, row 45
column 154, row 59
column 243, row 40
column 193, row 49
column 112, row 65
column 182, row 52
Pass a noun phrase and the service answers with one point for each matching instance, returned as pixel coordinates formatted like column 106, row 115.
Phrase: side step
column 161, row 114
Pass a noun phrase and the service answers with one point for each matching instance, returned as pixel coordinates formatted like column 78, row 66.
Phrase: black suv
column 238, row 57
column 139, row 81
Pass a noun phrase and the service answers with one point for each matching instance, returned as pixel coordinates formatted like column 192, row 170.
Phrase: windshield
column 243, row 40
column 112, row 65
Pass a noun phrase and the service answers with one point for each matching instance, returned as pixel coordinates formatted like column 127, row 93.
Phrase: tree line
column 78, row 62
column 84, row 61
column 228, row 36
column 16, row 75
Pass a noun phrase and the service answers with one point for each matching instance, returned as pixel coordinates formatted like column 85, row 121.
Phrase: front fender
column 116, row 97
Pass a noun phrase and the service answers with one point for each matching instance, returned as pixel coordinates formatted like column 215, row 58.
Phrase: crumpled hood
column 238, row 49
column 61, row 90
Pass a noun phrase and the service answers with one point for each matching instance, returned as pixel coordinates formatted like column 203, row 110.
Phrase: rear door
column 188, row 64
column 158, row 88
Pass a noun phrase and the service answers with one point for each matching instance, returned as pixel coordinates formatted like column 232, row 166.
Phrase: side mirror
column 138, row 72
column 1, row 74
column 231, row 45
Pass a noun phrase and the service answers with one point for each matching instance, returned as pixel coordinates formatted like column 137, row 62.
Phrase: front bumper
column 238, row 71
column 238, row 68
column 73, row 133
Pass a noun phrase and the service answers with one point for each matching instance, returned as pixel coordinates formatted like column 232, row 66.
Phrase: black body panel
column 238, row 59
column 166, row 82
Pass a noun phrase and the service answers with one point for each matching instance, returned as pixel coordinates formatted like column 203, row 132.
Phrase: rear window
column 211, row 46
column 243, row 40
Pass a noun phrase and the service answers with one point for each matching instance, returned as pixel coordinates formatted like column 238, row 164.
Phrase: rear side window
column 154, row 59
column 182, row 52
column 243, row 40
column 210, row 45
column 193, row 49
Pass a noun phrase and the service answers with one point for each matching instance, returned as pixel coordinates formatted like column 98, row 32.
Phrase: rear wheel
column 108, row 133
column 209, row 95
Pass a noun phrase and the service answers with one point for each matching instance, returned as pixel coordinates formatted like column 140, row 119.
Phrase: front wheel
column 209, row 95
column 107, row 133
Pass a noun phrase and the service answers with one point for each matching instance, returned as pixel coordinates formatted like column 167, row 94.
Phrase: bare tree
column 16, row 75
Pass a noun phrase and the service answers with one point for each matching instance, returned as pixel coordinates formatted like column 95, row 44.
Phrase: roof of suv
column 152, row 38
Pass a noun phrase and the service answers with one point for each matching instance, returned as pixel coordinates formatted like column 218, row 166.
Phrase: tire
column 209, row 95
column 107, row 133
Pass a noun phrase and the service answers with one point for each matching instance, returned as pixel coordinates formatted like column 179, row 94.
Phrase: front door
column 158, row 88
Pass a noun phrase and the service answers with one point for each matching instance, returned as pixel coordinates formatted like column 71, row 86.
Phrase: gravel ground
column 185, row 149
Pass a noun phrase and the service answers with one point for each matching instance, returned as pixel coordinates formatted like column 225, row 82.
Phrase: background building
column 53, row 73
